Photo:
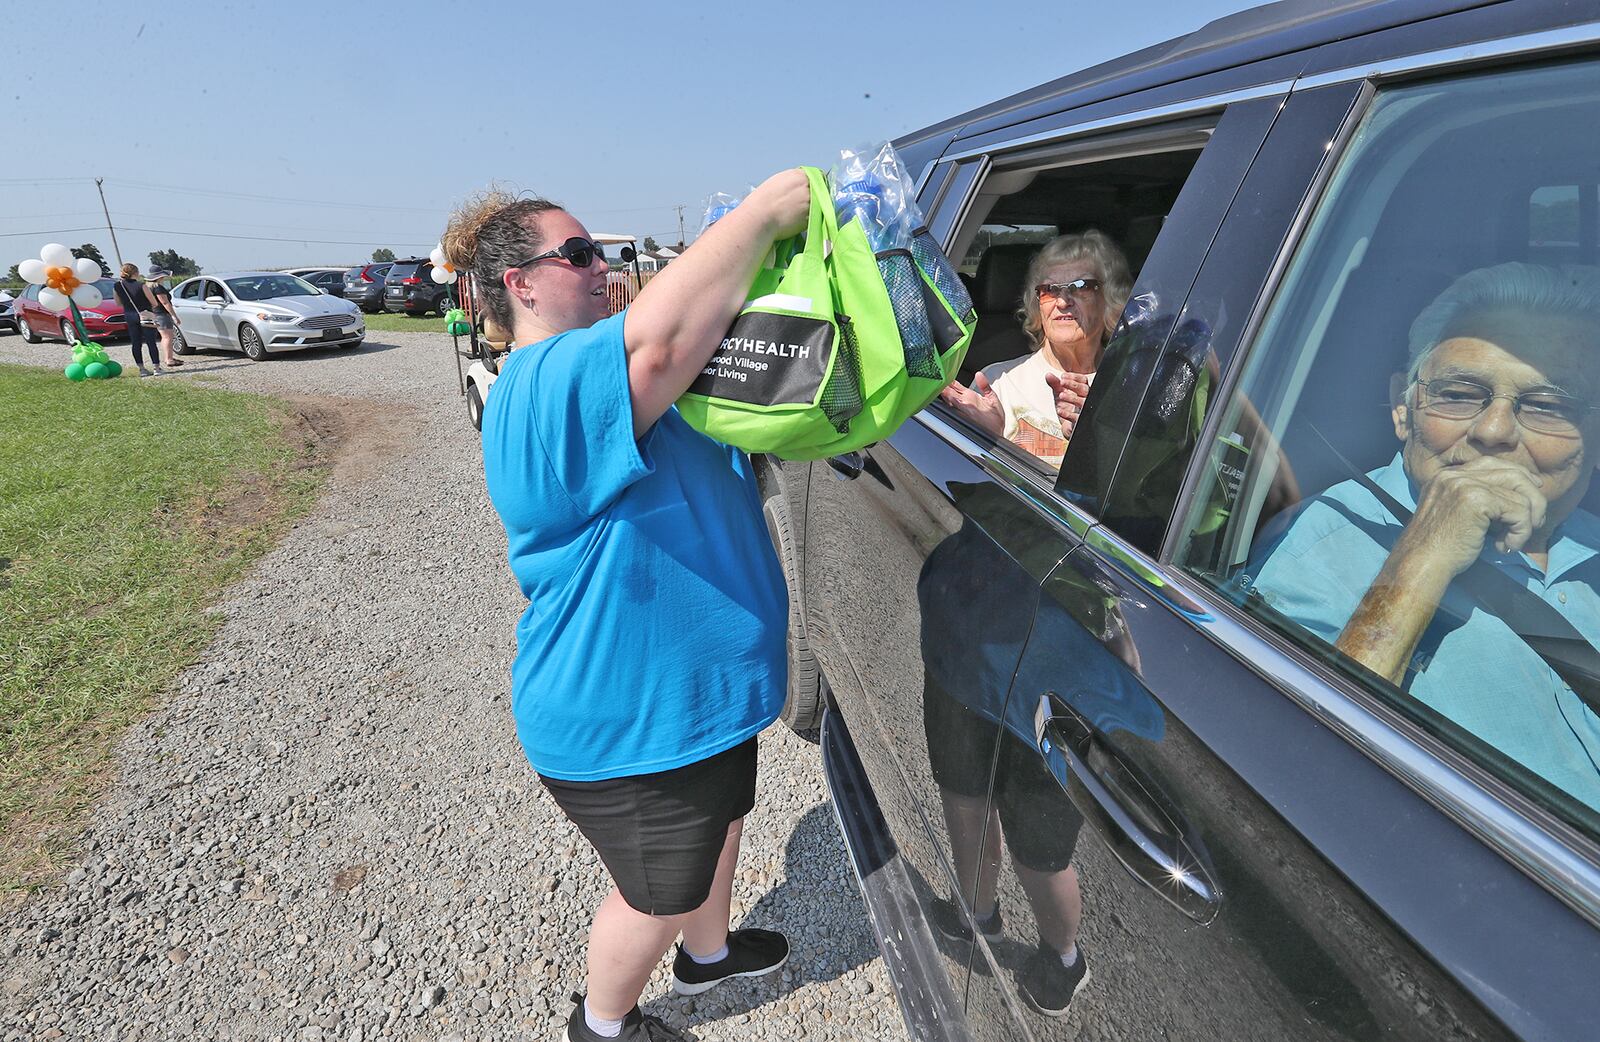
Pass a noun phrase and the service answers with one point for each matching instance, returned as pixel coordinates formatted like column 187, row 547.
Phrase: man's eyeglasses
column 1544, row 411
column 577, row 251
column 1080, row 290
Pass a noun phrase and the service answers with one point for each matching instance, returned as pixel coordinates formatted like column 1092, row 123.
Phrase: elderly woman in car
column 1499, row 442
column 1072, row 297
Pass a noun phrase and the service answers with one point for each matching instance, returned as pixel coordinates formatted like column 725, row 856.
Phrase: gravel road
column 328, row 830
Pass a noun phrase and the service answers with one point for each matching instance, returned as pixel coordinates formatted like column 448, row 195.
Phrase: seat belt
column 1544, row 629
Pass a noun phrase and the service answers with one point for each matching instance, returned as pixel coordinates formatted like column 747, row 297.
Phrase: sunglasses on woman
column 1077, row 289
column 577, row 251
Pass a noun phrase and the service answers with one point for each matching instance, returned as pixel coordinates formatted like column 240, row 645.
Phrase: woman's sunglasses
column 577, row 251
column 1077, row 289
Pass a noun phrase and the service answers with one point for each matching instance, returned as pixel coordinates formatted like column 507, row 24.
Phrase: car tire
column 251, row 344
column 67, row 332
column 180, row 344
column 475, row 407
column 802, row 707
column 28, row 335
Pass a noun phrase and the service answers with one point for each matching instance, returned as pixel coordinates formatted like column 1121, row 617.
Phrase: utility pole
column 679, row 208
column 99, row 183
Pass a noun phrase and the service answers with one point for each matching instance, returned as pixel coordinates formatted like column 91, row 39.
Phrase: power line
column 220, row 235
column 53, row 231
column 270, row 238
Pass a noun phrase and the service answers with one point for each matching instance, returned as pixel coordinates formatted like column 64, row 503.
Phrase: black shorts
column 660, row 834
column 1038, row 822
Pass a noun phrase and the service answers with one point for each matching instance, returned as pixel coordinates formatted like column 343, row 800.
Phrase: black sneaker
column 751, row 953
column 948, row 920
column 636, row 1027
column 1047, row 985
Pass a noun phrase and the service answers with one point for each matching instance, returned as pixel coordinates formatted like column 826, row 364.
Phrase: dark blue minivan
column 1218, row 660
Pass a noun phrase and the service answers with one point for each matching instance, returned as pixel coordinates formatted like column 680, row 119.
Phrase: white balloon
column 57, row 255
column 437, row 256
column 53, row 299
column 32, row 270
column 87, row 296
column 86, row 268
column 441, row 276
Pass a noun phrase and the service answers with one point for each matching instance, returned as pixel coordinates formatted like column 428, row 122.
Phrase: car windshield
column 264, row 287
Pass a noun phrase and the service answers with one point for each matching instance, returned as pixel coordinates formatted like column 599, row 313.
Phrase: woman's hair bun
column 460, row 239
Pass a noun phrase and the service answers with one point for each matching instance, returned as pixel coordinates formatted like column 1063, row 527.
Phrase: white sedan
column 261, row 311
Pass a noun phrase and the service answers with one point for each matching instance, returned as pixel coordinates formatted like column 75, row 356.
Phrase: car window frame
column 1556, row 855
column 1093, row 142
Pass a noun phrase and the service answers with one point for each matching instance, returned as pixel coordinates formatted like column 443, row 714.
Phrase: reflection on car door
column 921, row 574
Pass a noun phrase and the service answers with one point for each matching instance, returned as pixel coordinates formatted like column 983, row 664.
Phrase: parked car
column 8, row 320
column 328, row 280
column 260, row 312
column 363, row 285
column 1121, row 715
column 409, row 287
column 36, row 322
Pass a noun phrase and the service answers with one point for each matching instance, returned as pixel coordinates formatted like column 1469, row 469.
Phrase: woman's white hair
column 1566, row 289
column 1110, row 265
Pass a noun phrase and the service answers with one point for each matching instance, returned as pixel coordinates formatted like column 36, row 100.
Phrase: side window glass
column 191, row 291
column 1403, row 480
column 1050, row 254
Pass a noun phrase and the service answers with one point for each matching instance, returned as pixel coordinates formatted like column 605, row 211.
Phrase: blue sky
column 340, row 128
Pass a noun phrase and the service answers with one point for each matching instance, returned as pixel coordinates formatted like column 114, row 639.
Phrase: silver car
column 261, row 311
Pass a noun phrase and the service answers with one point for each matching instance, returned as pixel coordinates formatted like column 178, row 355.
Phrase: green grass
column 125, row 506
column 391, row 322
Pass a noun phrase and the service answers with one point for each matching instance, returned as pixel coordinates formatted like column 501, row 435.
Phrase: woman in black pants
column 134, row 298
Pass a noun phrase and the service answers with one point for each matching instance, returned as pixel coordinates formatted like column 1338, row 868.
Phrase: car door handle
column 847, row 466
column 1118, row 805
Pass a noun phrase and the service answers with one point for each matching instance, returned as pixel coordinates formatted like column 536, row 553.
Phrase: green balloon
column 74, row 372
column 114, row 368
column 96, row 371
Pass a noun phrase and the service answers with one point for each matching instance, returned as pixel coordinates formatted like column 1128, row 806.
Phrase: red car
column 36, row 322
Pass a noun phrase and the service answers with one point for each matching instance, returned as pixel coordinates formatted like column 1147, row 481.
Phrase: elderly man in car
column 1499, row 442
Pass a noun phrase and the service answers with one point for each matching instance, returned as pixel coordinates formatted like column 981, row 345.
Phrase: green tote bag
column 815, row 364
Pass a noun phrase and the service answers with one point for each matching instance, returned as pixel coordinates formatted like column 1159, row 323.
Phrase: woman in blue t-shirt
column 652, row 648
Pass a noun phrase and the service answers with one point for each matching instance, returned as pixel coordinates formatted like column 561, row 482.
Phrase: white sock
column 1069, row 956
column 600, row 1026
column 707, row 960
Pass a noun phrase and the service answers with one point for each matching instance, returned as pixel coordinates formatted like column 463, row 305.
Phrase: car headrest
column 1001, row 270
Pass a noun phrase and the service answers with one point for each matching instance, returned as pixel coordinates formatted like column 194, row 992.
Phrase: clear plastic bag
column 717, row 206
column 870, row 186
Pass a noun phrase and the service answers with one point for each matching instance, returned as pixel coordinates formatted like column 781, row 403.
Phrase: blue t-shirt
column 1470, row 666
column 654, row 633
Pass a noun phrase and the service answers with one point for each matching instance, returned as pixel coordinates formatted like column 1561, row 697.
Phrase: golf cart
column 487, row 344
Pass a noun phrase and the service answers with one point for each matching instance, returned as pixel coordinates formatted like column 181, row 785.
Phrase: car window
column 213, row 289
column 1050, row 253
column 402, row 270
column 263, row 287
column 191, row 290
column 1402, row 481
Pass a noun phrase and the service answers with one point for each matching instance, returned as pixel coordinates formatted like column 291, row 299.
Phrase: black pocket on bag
column 931, row 259
column 768, row 359
column 911, row 314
